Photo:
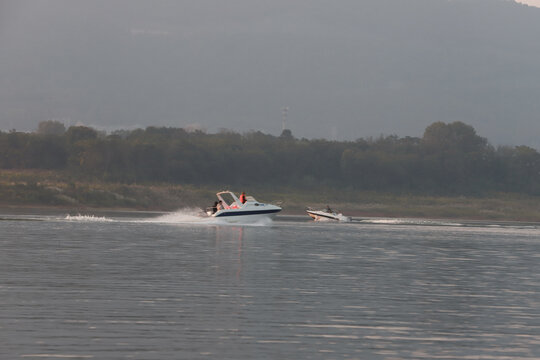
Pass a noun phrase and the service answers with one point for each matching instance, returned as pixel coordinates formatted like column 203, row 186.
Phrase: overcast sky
column 530, row 2
column 345, row 69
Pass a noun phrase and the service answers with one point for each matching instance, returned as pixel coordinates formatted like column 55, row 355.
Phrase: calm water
column 114, row 286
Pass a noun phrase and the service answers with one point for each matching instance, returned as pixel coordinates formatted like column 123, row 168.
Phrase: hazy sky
column 530, row 2
column 346, row 68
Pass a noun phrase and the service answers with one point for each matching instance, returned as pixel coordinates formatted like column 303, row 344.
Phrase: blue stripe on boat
column 240, row 213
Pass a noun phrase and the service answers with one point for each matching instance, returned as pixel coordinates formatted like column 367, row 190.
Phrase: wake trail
column 185, row 216
column 87, row 218
column 401, row 221
column 181, row 216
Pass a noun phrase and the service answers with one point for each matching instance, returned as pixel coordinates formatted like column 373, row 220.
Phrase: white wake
column 181, row 216
column 87, row 218
column 185, row 216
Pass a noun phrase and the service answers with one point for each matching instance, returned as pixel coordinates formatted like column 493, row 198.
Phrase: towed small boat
column 230, row 208
column 327, row 214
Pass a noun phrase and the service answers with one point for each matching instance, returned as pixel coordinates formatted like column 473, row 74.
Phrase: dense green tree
column 456, row 136
column 51, row 127
column 447, row 159
column 80, row 133
column 45, row 152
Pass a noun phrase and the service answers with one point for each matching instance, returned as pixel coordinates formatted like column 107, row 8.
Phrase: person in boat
column 329, row 210
column 214, row 207
column 219, row 205
column 243, row 197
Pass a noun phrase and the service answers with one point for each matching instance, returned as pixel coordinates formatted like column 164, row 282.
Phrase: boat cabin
column 230, row 201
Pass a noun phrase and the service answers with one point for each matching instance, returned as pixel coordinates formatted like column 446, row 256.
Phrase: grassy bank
column 48, row 188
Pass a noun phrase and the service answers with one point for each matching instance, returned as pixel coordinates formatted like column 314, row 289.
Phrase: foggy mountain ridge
column 349, row 68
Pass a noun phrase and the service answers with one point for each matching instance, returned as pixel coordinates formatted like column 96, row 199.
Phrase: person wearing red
column 243, row 197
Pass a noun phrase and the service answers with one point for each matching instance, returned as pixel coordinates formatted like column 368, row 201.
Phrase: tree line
column 448, row 159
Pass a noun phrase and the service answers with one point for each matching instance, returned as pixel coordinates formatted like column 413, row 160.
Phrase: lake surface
column 149, row 286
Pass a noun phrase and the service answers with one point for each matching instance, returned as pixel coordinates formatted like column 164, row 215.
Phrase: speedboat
column 327, row 214
column 230, row 208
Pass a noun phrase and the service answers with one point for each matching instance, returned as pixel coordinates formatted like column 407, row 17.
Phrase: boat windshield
column 228, row 198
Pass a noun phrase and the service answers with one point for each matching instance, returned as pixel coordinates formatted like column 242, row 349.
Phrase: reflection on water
column 229, row 248
column 115, row 288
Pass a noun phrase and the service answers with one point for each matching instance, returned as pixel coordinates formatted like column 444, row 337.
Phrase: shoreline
column 46, row 191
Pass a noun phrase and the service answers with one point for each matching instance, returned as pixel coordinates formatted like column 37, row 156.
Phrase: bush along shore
column 448, row 160
column 40, row 188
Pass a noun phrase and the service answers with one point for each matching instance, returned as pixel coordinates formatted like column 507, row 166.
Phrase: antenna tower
column 284, row 117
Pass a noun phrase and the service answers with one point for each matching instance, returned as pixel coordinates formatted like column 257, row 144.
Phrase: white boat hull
column 245, row 218
column 251, row 211
column 326, row 216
